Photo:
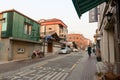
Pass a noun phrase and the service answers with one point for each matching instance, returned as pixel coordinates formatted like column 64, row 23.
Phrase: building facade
column 53, row 25
column 55, row 28
column 19, row 36
column 79, row 39
column 108, row 35
column 109, row 27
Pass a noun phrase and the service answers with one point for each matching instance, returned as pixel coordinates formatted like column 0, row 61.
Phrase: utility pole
column 44, row 39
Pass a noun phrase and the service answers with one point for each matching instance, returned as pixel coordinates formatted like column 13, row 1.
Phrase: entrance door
column 50, row 47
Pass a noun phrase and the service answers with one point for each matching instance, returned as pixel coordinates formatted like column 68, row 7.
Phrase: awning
column 83, row 6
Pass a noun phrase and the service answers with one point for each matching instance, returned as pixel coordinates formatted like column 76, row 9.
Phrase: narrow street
column 57, row 68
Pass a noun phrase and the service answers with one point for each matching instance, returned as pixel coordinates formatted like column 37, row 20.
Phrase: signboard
column 93, row 15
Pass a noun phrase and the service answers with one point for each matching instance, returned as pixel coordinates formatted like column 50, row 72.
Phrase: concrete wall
column 11, row 50
column 28, row 49
column 108, row 51
column 105, row 45
column 112, row 47
column 4, row 49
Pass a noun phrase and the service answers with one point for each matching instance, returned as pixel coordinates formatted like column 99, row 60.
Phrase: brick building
column 53, row 25
column 79, row 39
column 50, row 27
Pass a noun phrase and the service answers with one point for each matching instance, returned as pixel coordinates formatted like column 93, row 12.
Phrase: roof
column 52, row 21
column 13, row 10
column 53, row 35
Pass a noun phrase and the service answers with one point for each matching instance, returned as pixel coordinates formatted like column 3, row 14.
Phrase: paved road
column 14, row 65
column 58, row 68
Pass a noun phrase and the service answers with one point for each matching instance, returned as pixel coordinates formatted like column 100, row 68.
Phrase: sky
column 48, row 9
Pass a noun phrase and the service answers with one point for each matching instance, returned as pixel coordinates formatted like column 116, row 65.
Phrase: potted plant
column 109, row 75
column 99, row 75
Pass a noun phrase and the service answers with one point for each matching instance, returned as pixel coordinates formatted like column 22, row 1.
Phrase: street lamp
column 109, row 16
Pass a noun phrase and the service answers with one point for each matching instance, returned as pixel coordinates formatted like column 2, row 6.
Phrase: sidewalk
column 85, row 69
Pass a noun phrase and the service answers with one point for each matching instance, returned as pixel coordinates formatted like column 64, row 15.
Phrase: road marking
column 54, row 78
column 74, row 65
column 27, row 72
column 48, row 78
column 64, row 77
column 42, row 64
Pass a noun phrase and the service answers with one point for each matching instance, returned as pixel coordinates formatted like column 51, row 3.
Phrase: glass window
column 27, row 29
column 4, row 25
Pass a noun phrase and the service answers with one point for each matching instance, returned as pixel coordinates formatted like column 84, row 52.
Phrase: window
column 27, row 29
column 77, row 38
column 50, row 28
column 2, row 20
column 20, row 50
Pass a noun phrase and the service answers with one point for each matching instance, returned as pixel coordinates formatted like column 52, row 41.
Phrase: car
column 75, row 50
column 64, row 50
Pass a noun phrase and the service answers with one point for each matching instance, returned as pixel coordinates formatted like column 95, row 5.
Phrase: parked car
column 64, row 50
column 75, row 50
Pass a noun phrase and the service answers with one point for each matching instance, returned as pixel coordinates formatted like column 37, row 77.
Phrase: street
column 57, row 68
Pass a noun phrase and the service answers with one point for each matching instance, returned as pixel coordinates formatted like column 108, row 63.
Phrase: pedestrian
column 94, row 51
column 89, row 50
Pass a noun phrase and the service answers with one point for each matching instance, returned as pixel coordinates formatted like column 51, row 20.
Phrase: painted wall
column 14, row 26
column 11, row 50
column 4, row 49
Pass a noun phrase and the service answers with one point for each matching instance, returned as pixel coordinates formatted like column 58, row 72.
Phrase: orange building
column 79, row 39
column 53, row 25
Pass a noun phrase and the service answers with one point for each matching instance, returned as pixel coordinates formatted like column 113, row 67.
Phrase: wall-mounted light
column 109, row 16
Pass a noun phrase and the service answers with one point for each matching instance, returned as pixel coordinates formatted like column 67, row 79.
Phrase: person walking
column 94, row 50
column 89, row 50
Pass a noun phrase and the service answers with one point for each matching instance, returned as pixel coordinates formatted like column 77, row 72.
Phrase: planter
column 99, row 78
column 98, row 58
column 99, row 75
column 110, row 76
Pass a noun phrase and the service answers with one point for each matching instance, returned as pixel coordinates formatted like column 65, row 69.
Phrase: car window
column 63, row 48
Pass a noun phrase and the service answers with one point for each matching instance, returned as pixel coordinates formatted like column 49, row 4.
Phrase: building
column 109, row 31
column 79, row 40
column 108, row 35
column 19, row 36
column 52, row 27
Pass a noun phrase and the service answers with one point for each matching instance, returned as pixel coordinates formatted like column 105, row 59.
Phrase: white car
column 75, row 50
column 64, row 50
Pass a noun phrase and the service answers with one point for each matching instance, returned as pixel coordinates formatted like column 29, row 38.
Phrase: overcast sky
column 47, row 9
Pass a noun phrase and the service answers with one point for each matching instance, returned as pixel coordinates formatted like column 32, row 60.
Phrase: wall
column 15, row 24
column 79, row 39
column 0, row 25
column 28, row 49
column 9, row 49
column 4, row 49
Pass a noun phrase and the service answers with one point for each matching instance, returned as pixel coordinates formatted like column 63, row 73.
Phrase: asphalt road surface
column 56, row 68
